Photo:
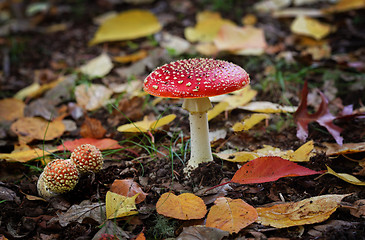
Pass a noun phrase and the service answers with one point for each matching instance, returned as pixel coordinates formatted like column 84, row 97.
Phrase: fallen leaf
column 250, row 122
column 267, row 107
column 345, row 5
column 358, row 208
column 92, row 96
column 86, row 209
column 97, row 67
column 128, row 188
column 146, row 125
column 237, row 98
column 230, row 215
column 140, row 236
column 217, row 109
column 320, row 231
column 119, row 206
column 34, row 128
column 111, row 227
column 128, row 25
column 202, row 233
column 322, row 116
column 134, row 57
column 302, row 154
column 308, row 211
column 246, row 40
column 310, row 27
column 271, row 5
column 346, row 177
column 92, row 128
column 186, row 206
column 101, row 144
column 206, row 28
column 174, row 43
column 347, row 148
column 25, row 156
column 11, row 109
column 268, row 169
column 36, row 89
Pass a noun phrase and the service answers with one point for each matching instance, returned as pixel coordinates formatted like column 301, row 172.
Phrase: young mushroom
column 59, row 176
column 87, row 158
column 195, row 80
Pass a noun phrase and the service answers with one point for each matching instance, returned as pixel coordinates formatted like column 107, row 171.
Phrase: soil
column 22, row 217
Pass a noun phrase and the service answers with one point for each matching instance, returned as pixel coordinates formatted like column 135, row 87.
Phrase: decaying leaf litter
column 68, row 83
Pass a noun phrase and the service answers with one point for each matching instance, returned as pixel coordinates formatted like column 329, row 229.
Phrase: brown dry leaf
column 128, row 188
column 308, row 211
column 186, row 206
column 310, row 27
column 358, row 208
column 230, row 215
column 200, row 232
column 93, row 96
column 33, row 128
column 11, row 109
column 36, row 89
column 206, row 28
column 246, row 40
column 128, row 25
column 346, row 148
column 92, row 128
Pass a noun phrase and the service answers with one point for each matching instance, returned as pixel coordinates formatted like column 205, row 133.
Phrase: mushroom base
column 199, row 141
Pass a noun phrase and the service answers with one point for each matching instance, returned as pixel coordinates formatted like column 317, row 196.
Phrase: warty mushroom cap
column 195, row 78
column 59, row 176
column 87, row 158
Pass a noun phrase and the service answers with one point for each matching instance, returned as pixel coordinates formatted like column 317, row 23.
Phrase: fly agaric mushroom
column 59, row 176
column 87, row 158
column 196, row 80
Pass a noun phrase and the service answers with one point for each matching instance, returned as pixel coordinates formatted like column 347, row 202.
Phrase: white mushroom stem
column 199, row 131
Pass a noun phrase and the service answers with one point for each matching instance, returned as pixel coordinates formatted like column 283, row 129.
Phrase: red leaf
column 102, row 144
column 268, row 169
column 322, row 116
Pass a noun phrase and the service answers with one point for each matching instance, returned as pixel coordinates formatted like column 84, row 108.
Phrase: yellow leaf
column 11, row 109
column 310, row 27
column 267, row 107
column 97, row 67
column 25, row 156
column 346, row 177
column 186, row 206
column 207, row 27
column 31, row 128
column 219, row 108
column 120, row 206
column 345, row 5
column 238, row 156
column 25, row 92
column 243, row 40
column 230, row 215
column 36, row 89
column 128, row 25
column 250, row 122
column 146, row 125
column 302, row 154
column 240, row 97
column 308, row 211
column 131, row 57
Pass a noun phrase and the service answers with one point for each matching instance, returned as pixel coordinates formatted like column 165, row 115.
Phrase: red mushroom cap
column 87, row 158
column 60, row 176
column 196, row 78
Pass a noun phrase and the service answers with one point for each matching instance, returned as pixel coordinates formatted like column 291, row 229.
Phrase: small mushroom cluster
column 62, row 175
